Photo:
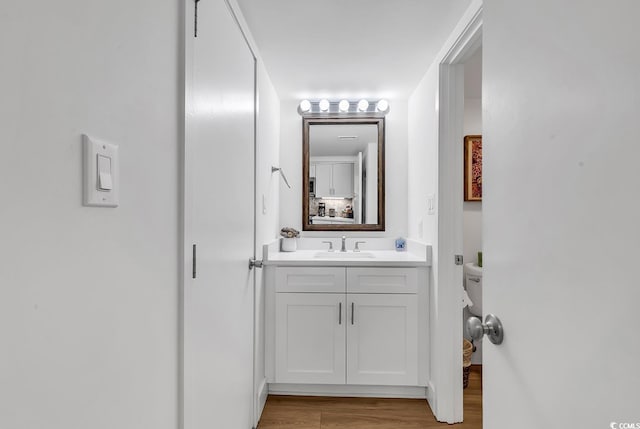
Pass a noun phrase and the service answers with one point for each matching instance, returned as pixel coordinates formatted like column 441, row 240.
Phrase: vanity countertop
column 369, row 258
column 339, row 219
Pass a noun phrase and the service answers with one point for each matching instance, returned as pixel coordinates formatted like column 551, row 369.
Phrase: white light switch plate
column 95, row 181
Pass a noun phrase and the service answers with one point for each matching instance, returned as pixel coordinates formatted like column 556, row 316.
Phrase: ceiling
column 341, row 139
column 349, row 48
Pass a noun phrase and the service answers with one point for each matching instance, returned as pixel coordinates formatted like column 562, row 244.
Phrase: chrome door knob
column 255, row 263
column 492, row 327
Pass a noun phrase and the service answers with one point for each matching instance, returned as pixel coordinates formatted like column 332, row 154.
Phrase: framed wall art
column 473, row 168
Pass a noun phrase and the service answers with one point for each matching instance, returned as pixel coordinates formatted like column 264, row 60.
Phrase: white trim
column 447, row 400
column 263, row 393
column 431, row 396
column 412, row 392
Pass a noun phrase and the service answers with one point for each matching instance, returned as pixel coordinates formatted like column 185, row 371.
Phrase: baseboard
column 431, row 394
column 431, row 397
column 412, row 392
column 263, row 392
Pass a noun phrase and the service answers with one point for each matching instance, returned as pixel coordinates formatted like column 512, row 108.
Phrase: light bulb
column 382, row 106
column 363, row 105
column 305, row 105
column 324, row 105
column 343, row 106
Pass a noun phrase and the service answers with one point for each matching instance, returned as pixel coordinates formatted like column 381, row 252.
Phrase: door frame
column 447, row 400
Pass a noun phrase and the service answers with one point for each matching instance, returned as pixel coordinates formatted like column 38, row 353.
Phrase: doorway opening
column 472, row 223
column 448, row 357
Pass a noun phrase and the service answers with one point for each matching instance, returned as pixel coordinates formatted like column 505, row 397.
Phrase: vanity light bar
column 343, row 106
column 363, row 105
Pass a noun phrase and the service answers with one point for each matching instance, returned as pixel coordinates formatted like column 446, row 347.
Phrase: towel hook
column 274, row 169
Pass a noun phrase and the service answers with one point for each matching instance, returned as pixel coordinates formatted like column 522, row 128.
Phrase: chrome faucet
column 344, row 243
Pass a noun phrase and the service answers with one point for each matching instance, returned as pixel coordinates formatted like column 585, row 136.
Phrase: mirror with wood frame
column 343, row 174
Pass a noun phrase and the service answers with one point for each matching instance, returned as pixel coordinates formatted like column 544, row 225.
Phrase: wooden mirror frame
column 331, row 120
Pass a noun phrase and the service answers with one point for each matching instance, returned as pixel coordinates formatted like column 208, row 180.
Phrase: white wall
column 423, row 157
column 89, row 296
column 396, row 170
column 423, row 183
column 472, row 210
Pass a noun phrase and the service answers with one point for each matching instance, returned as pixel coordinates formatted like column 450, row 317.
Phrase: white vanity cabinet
column 382, row 339
column 382, row 331
column 346, row 325
column 309, row 325
column 310, row 338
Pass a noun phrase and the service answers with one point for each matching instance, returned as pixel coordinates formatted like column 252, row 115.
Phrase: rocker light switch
column 101, row 181
column 105, row 183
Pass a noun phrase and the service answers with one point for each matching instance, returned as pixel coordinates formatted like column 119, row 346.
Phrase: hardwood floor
column 306, row 412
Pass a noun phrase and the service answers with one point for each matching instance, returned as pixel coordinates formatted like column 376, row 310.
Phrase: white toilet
column 473, row 285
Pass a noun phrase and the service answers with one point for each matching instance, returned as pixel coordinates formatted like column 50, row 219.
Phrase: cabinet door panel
column 310, row 279
column 382, row 340
column 310, row 338
column 324, row 174
column 343, row 179
column 382, row 280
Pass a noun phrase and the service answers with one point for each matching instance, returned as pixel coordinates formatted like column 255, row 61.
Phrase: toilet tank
column 473, row 285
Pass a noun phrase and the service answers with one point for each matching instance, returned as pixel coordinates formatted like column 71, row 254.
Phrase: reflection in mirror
column 344, row 159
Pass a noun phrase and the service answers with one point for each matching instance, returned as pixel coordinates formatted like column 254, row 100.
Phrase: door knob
column 255, row 263
column 492, row 327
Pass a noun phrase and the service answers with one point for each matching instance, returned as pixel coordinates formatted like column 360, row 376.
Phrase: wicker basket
column 465, row 376
column 467, row 351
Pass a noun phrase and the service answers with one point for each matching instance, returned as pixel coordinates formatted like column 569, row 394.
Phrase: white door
column 382, row 339
column 310, row 338
column 561, row 213
column 219, row 220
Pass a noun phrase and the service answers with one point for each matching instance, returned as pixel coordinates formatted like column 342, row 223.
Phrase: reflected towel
column 466, row 301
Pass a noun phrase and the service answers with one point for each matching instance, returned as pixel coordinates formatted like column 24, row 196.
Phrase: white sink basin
column 344, row 255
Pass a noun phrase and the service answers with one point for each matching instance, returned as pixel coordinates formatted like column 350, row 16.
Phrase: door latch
column 459, row 259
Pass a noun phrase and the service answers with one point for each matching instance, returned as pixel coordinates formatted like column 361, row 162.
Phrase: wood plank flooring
column 306, row 412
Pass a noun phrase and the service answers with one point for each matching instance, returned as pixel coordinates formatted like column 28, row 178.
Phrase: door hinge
column 195, row 20
column 193, row 261
column 459, row 259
